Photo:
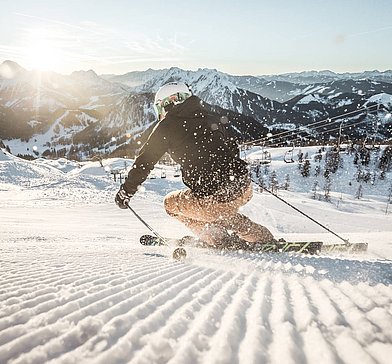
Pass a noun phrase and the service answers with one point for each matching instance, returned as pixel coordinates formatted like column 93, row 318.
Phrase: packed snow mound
column 20, row 172
column 61, row 178
column 62, row 164
column 104, row 167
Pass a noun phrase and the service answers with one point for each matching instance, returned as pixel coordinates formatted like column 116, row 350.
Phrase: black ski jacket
column 198, row 141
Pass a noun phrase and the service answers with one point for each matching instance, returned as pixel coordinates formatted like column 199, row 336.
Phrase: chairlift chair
column 288, row 155
column 177, row 171
column 265, row 157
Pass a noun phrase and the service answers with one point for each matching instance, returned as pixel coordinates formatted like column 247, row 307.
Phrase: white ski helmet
column 170, row 93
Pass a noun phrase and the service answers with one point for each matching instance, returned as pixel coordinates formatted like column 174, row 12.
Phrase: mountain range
column 84, row 114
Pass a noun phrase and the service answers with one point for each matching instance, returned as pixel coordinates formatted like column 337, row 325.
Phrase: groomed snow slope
column 76, row 286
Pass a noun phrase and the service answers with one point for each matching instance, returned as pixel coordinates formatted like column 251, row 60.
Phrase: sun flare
column 41, row 54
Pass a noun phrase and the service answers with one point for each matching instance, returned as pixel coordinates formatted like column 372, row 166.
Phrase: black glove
column 122, row 198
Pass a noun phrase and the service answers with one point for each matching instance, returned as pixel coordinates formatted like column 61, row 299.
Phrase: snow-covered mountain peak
column 10, row 69
column 88, row 76
column 312, row 77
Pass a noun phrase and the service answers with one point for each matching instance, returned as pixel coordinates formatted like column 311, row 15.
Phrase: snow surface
column 77, row 287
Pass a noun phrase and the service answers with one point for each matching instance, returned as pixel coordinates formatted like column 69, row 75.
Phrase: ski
column 314, row 247
column 237, row 244
column 344, row 248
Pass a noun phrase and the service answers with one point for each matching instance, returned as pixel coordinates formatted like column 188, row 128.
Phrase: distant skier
column 217, row 178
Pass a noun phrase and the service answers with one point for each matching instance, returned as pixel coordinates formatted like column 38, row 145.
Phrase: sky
column 242, row 37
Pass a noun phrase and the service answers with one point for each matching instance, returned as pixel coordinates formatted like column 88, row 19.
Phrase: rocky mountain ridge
column 83, row 114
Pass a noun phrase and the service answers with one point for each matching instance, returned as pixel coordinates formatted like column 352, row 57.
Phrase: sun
column 41, row 54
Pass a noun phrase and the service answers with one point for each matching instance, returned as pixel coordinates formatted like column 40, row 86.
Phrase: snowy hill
column 76, row 285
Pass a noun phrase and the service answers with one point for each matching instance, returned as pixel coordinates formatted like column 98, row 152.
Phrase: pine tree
column 389, row 201
column 332, row 160
column 327, row 189
column 262, row 183
column 305, row 170
column 286, row 185
column 314, row 190
column 385, row 163
column 356, row 158
column 318, row 157
column 300, row 156
column 274, row 184
column 359, row 193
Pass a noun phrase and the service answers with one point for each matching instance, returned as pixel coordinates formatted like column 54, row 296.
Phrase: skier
column 217, row 178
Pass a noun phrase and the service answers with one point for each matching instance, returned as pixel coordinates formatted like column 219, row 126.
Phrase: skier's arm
column 152, row 151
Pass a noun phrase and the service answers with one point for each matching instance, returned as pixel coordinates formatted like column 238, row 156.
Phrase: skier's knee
column 170, row 204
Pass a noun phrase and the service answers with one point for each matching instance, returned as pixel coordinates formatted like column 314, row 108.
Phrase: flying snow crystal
column 269, row 135
column 139, row 142
column 231, row 178
column 113, row 139
column 141, row 189
column 388, row 116
column 224, row 119
column 35, row 148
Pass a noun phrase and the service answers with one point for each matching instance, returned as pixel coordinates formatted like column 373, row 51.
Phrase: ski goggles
column 176, row 98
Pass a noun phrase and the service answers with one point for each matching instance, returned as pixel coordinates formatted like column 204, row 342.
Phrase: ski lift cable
column 298, row 138
column 339, row 120
column 321, row 133
column 325, row 121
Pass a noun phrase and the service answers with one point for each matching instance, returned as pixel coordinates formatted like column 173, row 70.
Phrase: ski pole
column 309, row 217
column 145, row 224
